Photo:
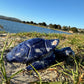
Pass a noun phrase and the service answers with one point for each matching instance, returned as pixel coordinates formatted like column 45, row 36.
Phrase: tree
column 44, row 24
column 24, row 22
column 39, row 23
column 31, row 22
column 59, row 26
column 55, row 26
column 74, row 29
column 35, row 23
column 27, row 22
column 51, row 25
column 65, row 28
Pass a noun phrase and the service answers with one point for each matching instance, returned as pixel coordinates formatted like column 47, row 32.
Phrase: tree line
column 43, row 24
column 56, row 26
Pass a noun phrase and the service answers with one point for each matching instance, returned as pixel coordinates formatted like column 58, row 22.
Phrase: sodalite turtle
column 40, row 52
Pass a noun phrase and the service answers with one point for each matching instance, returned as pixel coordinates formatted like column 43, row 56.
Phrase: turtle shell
column 31, row 50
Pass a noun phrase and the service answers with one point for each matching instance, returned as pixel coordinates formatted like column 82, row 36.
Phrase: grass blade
column 10, row 44
column 56, row 64
column 37, row 73
column 15, row 74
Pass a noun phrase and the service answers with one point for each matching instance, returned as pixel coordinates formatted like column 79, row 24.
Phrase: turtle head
column 51, row 44
column 64, row 54
column 68, row 51
column 68, row 55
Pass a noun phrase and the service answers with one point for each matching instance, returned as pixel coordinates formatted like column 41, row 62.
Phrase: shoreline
column 41, row 27
column 48, row 28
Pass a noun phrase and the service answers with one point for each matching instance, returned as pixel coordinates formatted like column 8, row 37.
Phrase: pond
column 16, row 27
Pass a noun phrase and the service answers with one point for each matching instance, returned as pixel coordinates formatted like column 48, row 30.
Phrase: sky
column 63, row 12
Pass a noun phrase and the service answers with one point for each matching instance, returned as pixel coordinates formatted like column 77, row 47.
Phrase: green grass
column 3, row 75
column 75, row 41
column 1, row 32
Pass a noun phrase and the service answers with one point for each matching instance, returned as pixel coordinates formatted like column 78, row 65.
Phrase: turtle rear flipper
column 18, row 53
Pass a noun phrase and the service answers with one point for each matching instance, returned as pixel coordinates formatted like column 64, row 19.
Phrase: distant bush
column 81, row 31
column 55, row 26
column 65, row 28
column 31, row 22
column 74, row 29
column 42, row 24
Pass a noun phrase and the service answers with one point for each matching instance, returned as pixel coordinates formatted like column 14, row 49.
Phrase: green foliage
column 59, row 26
column 23, row 21
column 54, row 26
column 41, row 35
column 1, row 32
column 65, row 28
column 31, row 22
column 51, row 25
column 43, row 24
column 74, row 29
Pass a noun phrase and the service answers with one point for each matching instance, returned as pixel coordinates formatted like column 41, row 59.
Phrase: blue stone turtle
column 41, row 53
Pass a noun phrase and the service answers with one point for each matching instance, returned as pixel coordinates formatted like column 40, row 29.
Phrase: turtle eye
column 69, row 52
column 54, row 42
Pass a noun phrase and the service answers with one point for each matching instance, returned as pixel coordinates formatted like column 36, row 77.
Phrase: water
column 16, row 27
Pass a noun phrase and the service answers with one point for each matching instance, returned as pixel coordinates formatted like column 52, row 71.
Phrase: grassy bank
column 1, row 32
column 75, row 41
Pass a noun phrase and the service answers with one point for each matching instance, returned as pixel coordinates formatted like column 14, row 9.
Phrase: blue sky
column 63, row 12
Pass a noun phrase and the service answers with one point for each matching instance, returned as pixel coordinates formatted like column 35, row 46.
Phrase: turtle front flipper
column 43, row 63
